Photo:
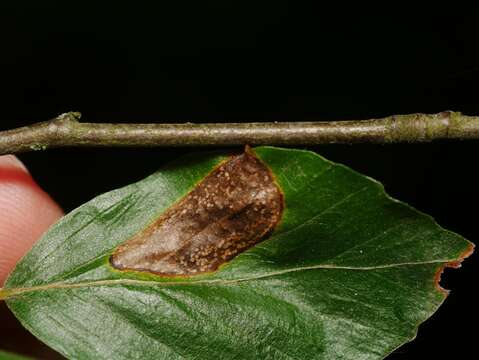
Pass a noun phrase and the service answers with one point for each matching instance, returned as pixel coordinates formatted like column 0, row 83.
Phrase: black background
column 222, row 61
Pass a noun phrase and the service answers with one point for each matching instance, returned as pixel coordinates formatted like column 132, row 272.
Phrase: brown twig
column 66, row 130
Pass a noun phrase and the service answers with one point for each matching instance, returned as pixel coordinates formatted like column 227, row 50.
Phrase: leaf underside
column 349, row 273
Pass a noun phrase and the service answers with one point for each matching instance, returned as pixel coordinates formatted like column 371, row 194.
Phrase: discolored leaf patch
column 231, row 210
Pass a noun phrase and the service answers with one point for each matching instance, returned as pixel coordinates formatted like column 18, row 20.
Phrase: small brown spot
column 229, row 211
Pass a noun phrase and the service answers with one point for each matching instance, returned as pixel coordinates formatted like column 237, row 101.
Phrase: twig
column 66, row 130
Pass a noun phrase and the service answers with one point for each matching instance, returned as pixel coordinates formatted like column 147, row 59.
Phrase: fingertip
column 26, row 212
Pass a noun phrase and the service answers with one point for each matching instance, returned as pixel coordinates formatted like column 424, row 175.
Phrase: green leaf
column 349, row 273
column 5, row 355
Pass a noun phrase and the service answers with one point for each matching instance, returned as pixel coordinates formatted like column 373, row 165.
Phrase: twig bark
column 66, row 130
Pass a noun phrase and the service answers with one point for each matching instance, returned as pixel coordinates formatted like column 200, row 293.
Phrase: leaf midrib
column 14, row 292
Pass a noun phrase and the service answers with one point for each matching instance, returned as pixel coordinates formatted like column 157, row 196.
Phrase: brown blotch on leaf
column 229, row 211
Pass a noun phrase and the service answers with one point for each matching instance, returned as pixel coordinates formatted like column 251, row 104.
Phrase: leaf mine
column 229, row 211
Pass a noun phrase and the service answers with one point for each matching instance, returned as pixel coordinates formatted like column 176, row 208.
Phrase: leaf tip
column 452, row 264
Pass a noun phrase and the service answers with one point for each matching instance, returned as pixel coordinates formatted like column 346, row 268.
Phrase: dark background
column 222, row 61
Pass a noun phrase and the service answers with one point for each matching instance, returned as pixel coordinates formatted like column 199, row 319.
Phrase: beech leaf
column 273, row 254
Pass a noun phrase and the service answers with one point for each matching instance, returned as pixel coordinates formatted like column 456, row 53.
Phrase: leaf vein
column 13, row 292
